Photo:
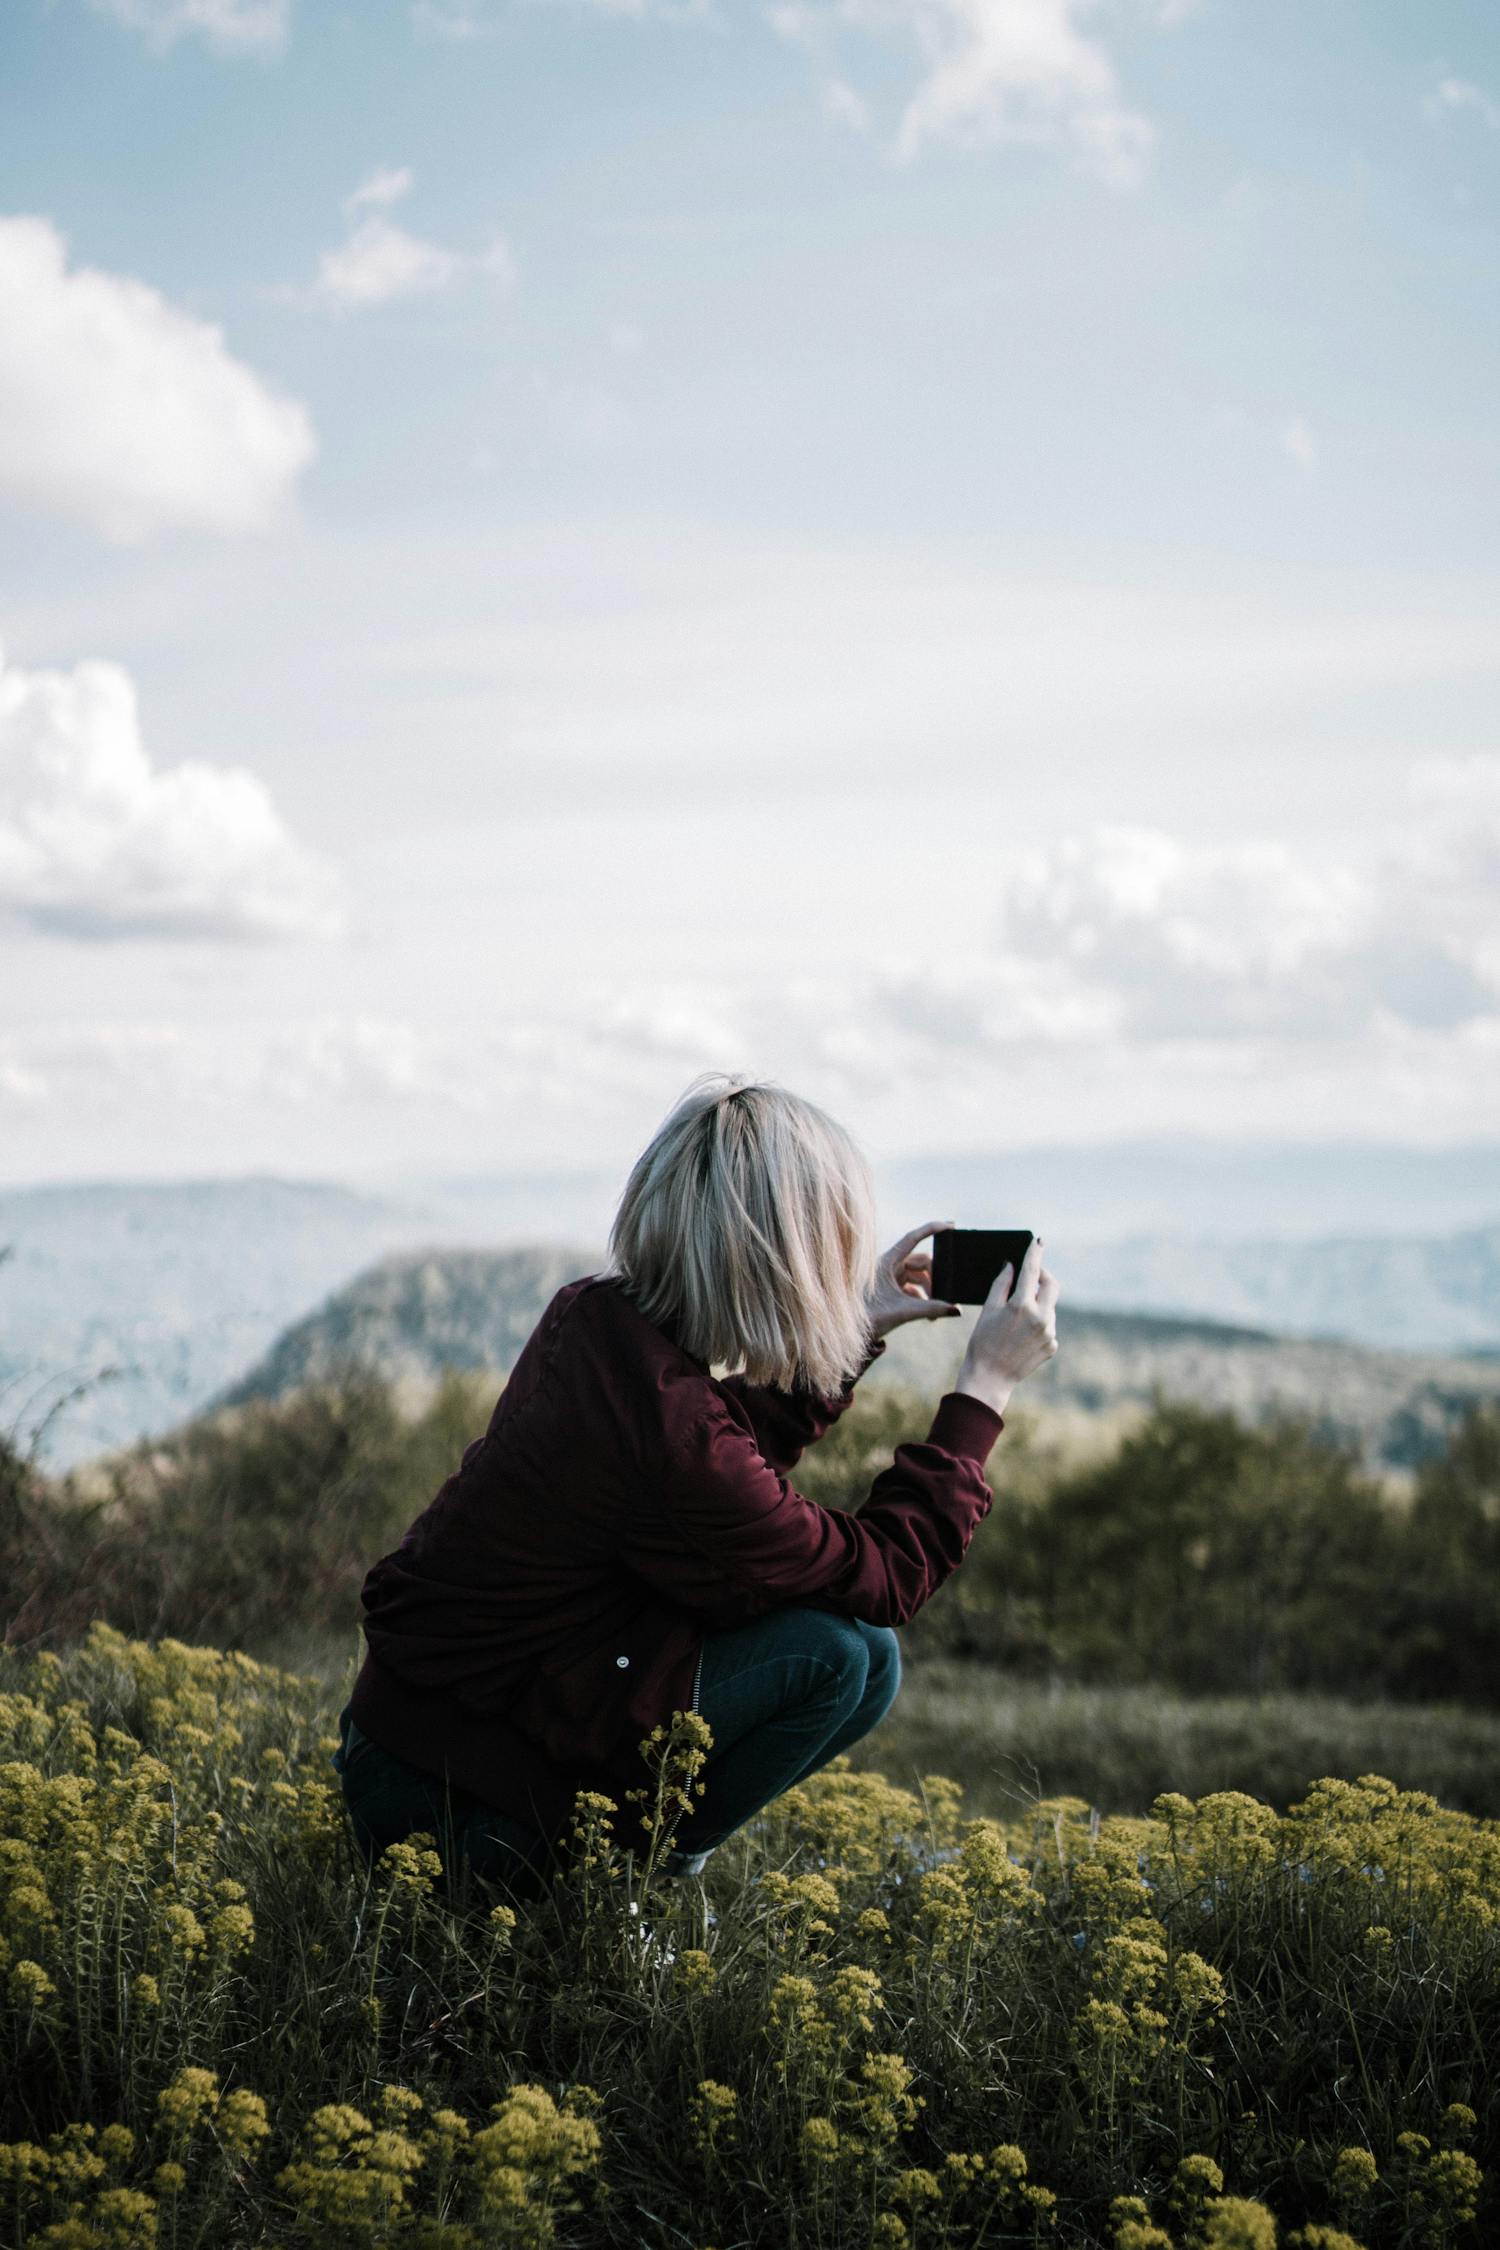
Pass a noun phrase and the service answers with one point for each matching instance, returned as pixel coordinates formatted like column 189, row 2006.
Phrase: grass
column 884, row 2022
column 1008, row 1740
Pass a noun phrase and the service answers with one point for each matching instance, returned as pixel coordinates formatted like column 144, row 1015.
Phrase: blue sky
column 941, row 550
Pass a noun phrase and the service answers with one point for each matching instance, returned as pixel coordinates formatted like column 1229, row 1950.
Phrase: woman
column 623, row 1543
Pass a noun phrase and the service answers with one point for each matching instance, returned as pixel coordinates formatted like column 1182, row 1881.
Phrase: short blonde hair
column 749, row 1222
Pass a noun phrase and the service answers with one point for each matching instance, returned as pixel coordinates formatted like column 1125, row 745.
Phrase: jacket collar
column 667, row 1325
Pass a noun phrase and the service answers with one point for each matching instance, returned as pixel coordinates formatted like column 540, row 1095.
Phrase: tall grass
column 882, row 2024
column 1007, row 1738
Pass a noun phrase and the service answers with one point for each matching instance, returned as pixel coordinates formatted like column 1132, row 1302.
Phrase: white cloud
column 387, row 184
column 1165, row 939
column 381, row 261
column 1459, row 96
column 96, row 843
column 458, row 20
column 1299, row 444
column 1135, row 982
column 234, row 26
column 123, row 413
column 842, row 102
column 993, row 71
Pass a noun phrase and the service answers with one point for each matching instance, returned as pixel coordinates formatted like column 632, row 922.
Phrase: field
column 1009, row 1741
column 882, row 2020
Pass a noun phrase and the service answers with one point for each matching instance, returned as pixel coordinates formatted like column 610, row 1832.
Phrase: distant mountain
column 152, row 1296
column 180, row 1286
column 1407, row 1294
column 413, row 1316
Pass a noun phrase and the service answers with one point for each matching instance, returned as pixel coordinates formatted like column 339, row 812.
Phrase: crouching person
column 623, row 1543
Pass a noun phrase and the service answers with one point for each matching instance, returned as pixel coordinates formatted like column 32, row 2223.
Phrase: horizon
column 1460, row 1181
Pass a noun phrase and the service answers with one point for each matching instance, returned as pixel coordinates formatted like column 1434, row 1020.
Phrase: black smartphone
column 965, row 1260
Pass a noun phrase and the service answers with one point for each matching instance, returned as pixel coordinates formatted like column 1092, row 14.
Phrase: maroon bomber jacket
column 548, row 1607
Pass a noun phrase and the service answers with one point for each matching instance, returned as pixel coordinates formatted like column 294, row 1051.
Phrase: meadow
column 1097, row 1942
column 880, row 2021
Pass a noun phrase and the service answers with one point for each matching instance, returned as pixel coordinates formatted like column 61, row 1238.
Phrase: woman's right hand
column 1015, row 1334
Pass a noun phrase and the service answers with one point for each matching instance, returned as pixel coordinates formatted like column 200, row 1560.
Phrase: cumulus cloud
column 380, row 261
column 1461, row 97
column 992, row 71
column 988, row 71
column 235, row 27
column 97, row 843
column 1135, row 982
column 123, row 413
column 1168, row 939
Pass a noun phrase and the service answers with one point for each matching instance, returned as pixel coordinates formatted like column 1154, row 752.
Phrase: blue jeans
column 387, row 1800
column 781, row 1696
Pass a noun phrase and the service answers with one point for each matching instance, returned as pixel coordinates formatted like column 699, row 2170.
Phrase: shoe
column 676, row 1865
column 644, row 1936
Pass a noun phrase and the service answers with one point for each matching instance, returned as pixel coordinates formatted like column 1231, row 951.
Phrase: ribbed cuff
column 963, row 1424
column 873, row 1351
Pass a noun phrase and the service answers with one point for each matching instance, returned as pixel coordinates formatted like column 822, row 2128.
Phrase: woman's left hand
column 903, row 1284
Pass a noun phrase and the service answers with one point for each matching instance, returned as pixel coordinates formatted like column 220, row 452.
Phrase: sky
column 945, row 552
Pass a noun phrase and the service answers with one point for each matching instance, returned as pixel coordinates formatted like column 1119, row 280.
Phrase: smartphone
column 965, row 1260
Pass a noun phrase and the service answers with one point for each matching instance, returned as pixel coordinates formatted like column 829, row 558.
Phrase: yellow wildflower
column 1354, row 2174
column 125, row 2219
column 29, row 1985
column 713, row 2110
column 1233, row 2222
column 192, row 2096
column 242, row 2122
column 695, row 1972
column 820, row 2139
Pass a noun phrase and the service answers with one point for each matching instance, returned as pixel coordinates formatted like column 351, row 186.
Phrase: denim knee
column 883, row 1650
column 841, row 1643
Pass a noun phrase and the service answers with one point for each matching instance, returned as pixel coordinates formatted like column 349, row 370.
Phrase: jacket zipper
column 698, row 1676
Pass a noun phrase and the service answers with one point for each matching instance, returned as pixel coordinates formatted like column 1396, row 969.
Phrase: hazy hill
column 178, row 1287
column 1441, row 1293
column 412, row 1316
column 166, row 1289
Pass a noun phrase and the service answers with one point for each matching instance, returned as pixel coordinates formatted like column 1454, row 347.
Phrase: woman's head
column 749, row 1222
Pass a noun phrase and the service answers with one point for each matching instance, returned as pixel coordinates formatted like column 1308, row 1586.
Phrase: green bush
column 1200, row 1554
column 239, row 1526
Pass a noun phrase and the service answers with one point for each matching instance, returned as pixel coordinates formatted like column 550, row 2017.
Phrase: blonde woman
column 623, row 1541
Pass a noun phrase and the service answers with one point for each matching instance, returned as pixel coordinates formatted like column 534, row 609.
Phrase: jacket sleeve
column 786, row 1422
column 731, row 1539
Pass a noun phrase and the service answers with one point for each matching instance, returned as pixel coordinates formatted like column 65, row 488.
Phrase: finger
column 909, row 1241
column 1046, row 1290
column 1000, row 1286
column 1031, row 1266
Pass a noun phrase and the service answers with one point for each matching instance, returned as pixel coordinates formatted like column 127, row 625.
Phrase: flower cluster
column 918, row 2030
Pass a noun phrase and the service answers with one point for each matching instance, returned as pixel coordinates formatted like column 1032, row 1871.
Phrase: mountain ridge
column 413, row 1316
column 129, row 1305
